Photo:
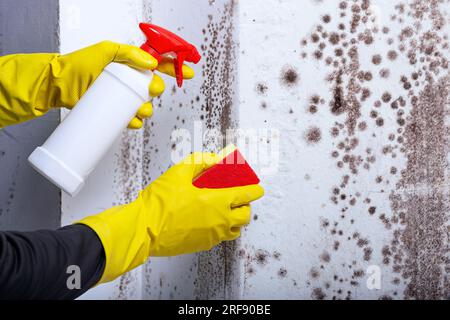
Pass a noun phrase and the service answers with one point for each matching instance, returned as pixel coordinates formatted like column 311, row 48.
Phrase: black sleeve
column 40, row 264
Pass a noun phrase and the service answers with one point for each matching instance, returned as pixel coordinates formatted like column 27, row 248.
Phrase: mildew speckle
column 313, row 135
column 414, row 121
column 261, row 88
column 218, row 70
column 282, row 272
column 325, row 257
column 261, row 257
column 314, row 273
column 376, row 59
column 289, row 76
column 216, row 268
column 318, row 294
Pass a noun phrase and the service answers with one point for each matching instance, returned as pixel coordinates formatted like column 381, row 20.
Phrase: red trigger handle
column 179, row 60
column 161, row 41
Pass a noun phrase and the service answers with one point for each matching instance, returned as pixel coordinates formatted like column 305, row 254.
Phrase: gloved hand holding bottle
column 32, row 84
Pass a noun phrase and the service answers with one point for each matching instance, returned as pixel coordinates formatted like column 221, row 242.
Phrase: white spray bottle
column 78, row 144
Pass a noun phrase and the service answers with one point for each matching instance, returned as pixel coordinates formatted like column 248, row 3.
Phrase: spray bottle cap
column 161, row 41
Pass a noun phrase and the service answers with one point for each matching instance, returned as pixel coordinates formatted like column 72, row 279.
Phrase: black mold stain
column 250, row 271
column 318, row 294
column 421, row 238
column 392, row 55
column 261, row 257
column 326, row 18
column 289, row 76
column 216, row 268
column 427, row 51
column 338, row 103
column 218, row 70
column 282, row 273
column 130, row 163
column 314, row 273
column 386, row 97
column 276, row 255
column 313, row 135
column 376, row 59
column 126, row 287
column 312, row 109
column 325, row 257
column 261, row 88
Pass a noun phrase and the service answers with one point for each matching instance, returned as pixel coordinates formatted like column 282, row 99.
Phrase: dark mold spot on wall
column 392, row 55
column 325, row 257
column 386, row 97
column 129, row 166
column 312, row 109
column 261, row 257
column 384, row 73
column 261, row 88
column 314, row 273
column 318, row 294
column 282, row 273
column 422, row 242
column 250, row 271
column 126, row 287
column 376, row 59
column 313, row 135
column 276, row 255
column 337, row 102
column 289, row 76
column 219, row 53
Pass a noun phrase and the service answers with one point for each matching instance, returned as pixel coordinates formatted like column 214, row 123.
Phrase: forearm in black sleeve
column 37, row 265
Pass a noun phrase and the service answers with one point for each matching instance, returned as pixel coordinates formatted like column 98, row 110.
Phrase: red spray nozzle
column 161, row 41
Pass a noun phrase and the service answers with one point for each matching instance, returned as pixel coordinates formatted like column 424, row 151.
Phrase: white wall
column 386, row 223
column 398, row 168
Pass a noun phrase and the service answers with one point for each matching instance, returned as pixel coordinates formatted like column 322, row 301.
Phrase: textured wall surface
column 359, row 92
column 205, row 104
column 351, row 99
column 27, row 200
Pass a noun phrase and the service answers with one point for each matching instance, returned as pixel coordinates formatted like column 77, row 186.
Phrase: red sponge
column 232, row 171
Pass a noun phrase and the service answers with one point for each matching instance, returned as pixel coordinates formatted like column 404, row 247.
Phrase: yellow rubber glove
column 171, row 217
column 31, row 84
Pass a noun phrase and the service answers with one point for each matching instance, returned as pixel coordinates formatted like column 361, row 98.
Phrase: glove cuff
column 24, row 83
column 123, row 233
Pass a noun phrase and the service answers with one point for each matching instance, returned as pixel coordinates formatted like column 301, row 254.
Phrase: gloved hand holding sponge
column 172, row 217
column 169, row 217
